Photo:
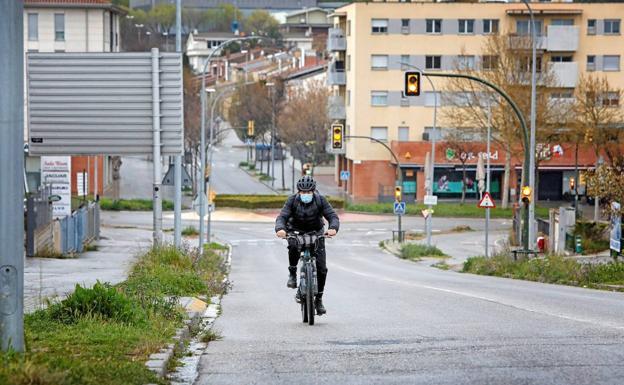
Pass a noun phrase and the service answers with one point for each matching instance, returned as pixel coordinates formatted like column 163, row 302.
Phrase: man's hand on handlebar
column 331, row 233
column 281, row 234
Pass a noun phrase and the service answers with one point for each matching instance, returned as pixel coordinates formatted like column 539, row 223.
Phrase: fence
column 68, row 235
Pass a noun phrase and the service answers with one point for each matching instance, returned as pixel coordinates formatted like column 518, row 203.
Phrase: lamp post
column 166, row 35
column 599, row 163
column 271, row 86
column 433, row 147
column 532, row 171
column 138, row 27
column 202, row 208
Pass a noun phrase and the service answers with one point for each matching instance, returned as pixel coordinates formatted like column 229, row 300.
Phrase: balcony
column 566, row 73
column 523, row 42
column 336, row 108
column 336, row 40
column 562, row 38
column 336, row 75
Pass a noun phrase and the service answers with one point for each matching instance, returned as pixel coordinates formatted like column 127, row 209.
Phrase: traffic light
column 526, row 194
column 572, row 184
column 337, row 137
column 250, row 128
column 397, row 194
column 412, row 83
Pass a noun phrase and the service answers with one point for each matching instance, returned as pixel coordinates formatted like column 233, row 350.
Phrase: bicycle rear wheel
column 310, row 295
column 304, row 310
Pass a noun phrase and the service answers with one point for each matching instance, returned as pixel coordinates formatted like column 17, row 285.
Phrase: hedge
column 263, row 201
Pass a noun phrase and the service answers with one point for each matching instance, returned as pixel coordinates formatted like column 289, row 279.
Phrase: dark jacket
column 296, row 215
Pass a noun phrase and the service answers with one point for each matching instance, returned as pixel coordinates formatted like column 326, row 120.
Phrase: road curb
column 277, row 192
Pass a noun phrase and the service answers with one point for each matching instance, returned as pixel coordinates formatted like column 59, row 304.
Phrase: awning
column 525, row 12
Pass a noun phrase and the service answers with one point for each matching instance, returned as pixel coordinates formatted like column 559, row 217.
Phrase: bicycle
column 308, row 285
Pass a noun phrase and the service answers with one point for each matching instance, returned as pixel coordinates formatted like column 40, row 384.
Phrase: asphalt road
column 393, row 321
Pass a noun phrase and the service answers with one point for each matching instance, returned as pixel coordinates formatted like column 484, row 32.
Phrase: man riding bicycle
column 304, row 212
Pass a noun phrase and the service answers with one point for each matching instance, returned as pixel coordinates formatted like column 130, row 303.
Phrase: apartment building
column 71, row 26
column 369, row 41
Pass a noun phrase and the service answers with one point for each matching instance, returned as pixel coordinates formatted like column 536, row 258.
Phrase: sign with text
column 56, row 171
column 82, row 184
column 616, row 228
column 431, row 200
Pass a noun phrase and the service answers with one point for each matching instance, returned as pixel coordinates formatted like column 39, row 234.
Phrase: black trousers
column 321, row 262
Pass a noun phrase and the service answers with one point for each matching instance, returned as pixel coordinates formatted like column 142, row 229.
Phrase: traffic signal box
column 251, row 128
column 412, row 83
column 337, row 136
column 526, row 194
column 398, row 195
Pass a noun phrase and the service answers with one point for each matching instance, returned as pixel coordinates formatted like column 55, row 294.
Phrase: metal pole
column 292, row 187
column 273, row 136
column 157, row 198
column 11, row 169
column 599, row 163
column 202, row 160
column 532, row 171
column 210, row 144
column 487, row 177
column 177, row 160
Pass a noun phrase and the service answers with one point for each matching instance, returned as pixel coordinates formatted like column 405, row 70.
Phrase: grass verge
column 415, row 252
column 262, row 201
column 550, row 269
column 103, row 335
column 132, row 204
column 455, row 210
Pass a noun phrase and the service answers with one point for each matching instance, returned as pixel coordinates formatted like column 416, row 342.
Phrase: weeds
column 210, row 335
column 190, row 231
column 416, row 252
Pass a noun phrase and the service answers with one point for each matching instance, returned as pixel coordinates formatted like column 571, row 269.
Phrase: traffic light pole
column 525, row 138
column 399, row 176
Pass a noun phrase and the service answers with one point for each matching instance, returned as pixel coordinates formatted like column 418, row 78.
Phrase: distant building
column 200, row 45
column 71, row 26
column 243, row 5
column 303, row 26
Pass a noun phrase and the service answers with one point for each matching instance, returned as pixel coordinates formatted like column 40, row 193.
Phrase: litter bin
column 578, row 245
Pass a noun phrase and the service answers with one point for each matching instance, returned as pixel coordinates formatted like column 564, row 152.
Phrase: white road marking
column 480, row 297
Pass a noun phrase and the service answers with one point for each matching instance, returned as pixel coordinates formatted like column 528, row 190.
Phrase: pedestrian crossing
column 278, row 242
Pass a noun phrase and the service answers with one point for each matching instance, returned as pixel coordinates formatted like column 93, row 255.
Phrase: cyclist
column 304, row 212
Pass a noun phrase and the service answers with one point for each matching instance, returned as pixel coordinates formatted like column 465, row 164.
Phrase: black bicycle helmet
column 306, row 183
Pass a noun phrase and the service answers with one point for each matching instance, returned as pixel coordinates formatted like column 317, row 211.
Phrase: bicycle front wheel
column 310, row 295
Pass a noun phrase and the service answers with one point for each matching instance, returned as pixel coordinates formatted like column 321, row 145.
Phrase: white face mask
column 306, row 197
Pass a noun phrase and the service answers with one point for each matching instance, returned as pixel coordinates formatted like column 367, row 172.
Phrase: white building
column 200, row 45
column 70, row 26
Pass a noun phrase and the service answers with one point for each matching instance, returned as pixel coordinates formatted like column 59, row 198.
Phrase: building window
column 434, row 25
column 59, row 26
column 612, row 27
column 432, row 98
column 33, row 27
column 465, row 62
column 591, row 62
column 562, row 22
column 562, row 95
column 490, row 26
column 405, row 25
column 379, row 26
column 561, row 59
column 379, row 133
column 523, row 27
column 379, row 98
column 433, row 62
column 489, row 62
column 405, row 62
column 466, row 26
column 611, row 63
column 591, row 26
column 525, row 64
column 611, row 99
column 403, row 134
column 379, row 62
column 429, row 132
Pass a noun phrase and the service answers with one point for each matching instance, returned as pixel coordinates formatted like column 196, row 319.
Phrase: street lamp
column 271, row 86
column 138, row 27
column 532, row 170
column 203, row 128
column 166, row 35
column 433, row 147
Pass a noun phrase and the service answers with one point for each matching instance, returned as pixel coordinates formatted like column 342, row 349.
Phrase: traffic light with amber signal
column 398, row 196
column 526, row 194
column 251, row 128
column 412, row 83
column 572, row 184
column 337, row 136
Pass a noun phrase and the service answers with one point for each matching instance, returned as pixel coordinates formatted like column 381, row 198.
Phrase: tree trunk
column 463, row 198
column 506, row 176
column 283, row 177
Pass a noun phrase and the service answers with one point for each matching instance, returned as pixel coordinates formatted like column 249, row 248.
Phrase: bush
column 189, row 231
column 442, row 209
column 132, row 204
column 100, row 301
column 593, row 236
column 416, row 251
column 262, row 201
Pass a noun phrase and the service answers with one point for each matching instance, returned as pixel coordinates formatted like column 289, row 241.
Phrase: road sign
column 487, row 202
column 82, row 184
column 426, row 213
column 399, row 208
column 344, row 175
column 168, row 179
column 198, row 202
column 56, row 171
column 431, row 200
column 102, row 103
column 615, row 239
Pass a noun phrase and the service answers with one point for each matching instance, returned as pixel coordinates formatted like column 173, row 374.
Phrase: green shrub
column 189, row 231
column 262, row 201
column 416, row 251
column 242, row 164
column 593, row 236
column 100, row 301
column 442, row 209
column 132, row 204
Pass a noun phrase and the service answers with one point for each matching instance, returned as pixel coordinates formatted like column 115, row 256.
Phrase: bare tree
column 505, row 61
column 463, row 145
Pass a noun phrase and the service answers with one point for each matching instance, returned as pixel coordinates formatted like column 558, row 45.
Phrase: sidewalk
column 51, row 278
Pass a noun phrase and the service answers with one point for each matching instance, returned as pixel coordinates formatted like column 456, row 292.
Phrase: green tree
column 261, row 22
column 220, row 19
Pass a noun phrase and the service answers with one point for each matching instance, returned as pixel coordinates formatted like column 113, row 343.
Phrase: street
column 394, row 321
